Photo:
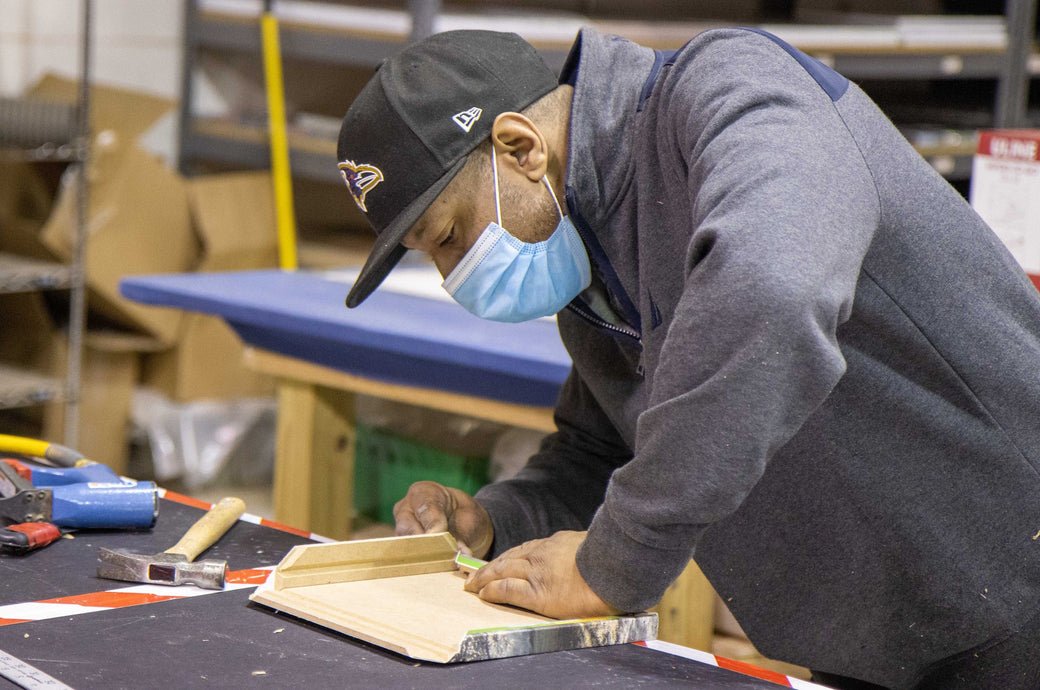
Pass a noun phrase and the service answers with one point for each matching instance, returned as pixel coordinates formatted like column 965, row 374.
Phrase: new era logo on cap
column 467, row 118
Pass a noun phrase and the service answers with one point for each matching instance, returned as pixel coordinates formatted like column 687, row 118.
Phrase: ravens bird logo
column 360, row 180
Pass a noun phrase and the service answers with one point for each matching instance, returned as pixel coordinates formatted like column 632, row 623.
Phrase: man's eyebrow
column 416, row 231
column 423, row 224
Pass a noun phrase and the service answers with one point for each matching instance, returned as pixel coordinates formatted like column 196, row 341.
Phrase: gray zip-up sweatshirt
column 822, row 375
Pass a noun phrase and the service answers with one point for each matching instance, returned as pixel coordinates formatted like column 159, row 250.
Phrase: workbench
column 61, row 620
column 405, row 347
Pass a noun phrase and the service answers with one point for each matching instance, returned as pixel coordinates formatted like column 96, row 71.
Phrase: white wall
column 136, row 43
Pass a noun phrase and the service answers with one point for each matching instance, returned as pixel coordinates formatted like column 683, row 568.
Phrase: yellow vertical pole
column 285, row 214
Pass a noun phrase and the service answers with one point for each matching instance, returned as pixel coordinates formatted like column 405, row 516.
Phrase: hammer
column 177, row 565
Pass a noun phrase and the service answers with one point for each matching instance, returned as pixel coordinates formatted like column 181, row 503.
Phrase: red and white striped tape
column 731, row 665
column 246, row 517
column 78, row 604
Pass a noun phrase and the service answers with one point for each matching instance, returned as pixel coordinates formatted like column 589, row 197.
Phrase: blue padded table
column 414, row 349
column 393, row 337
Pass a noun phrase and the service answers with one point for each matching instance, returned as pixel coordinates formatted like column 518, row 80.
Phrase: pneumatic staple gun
column 36, row 502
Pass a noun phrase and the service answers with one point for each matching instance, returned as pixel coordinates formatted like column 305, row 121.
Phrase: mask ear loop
column 559, row 210
column 498, row 208
column 494, row 169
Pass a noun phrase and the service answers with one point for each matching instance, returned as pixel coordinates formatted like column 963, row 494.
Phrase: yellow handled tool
column 59, row 455
column 209, row 528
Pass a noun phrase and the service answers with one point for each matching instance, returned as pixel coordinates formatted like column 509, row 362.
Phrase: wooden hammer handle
column 209, row 528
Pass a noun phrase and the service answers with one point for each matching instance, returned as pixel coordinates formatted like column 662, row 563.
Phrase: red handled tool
column 28, row 536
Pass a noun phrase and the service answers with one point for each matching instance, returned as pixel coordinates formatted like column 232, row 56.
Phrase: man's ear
column 520, row 145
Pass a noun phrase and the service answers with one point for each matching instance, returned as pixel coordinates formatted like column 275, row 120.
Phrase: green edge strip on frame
column 541, row 625
column 469, row 561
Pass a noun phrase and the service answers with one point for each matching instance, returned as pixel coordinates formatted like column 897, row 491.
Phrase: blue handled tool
column 71, row 498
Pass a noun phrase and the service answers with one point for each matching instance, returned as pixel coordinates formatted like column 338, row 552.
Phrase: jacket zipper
column 596, row 321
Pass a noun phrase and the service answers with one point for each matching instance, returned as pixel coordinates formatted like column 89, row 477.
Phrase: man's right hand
column 429, row 507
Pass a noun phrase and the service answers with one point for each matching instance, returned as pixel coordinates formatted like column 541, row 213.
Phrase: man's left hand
column 541, row 576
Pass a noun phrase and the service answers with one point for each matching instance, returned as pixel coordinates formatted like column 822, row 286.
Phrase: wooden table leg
column 686, row 612
column 314, row 459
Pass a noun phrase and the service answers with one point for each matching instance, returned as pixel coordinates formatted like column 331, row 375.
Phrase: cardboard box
column 127, row 114
column 206, row 364
column 27, row 332
column 138, row 219
column 1005, row 191
column 26, row 199
column 233, row 216
column 138, row 224
column 26, row 338
column 109, row 373
column 110, row 370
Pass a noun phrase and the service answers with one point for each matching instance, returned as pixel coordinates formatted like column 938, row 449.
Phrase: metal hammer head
column 161, row 569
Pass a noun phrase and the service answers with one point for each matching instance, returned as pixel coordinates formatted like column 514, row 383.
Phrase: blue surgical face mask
column 502, row 278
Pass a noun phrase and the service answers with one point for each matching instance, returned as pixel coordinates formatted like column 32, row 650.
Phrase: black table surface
column 224, row 640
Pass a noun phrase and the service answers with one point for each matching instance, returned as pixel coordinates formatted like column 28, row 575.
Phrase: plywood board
column 414, row 603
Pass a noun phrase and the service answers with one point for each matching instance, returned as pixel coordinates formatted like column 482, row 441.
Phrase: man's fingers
column 431, row 515
column 405, row 522
column 426, row 518
column 429, row 507
column 423, row 510
column 512, row 591
column 541, row 576
column 502, row 568
column 471, row 526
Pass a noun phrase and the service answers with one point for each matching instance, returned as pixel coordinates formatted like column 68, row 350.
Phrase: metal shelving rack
column 48, row 131
column 246, row 147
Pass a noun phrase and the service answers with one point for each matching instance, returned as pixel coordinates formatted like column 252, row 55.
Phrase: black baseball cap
column 410, row 129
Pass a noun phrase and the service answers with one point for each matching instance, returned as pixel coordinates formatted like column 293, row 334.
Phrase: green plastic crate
column 385, row 465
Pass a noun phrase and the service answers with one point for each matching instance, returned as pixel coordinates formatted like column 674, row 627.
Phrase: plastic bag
column 196, row 441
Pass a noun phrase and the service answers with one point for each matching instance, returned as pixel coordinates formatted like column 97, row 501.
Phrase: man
column 798, row 355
